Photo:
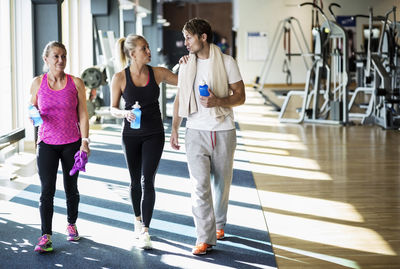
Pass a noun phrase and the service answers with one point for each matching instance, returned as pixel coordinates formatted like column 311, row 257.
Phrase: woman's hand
column 85, row 147
column 184, row 59
column 130, row 116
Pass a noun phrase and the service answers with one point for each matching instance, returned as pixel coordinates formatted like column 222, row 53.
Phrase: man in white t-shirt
column 210, row 138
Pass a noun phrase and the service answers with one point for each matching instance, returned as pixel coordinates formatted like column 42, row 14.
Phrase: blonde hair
column 47, row 49
column 124, row 46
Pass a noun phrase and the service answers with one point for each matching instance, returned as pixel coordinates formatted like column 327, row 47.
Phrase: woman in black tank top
column 142, row 147
column 147, row 96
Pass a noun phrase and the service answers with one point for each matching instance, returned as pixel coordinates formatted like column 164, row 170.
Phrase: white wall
column 77, row 35
column 264, row 16
column 23, row 63
column 6, row 99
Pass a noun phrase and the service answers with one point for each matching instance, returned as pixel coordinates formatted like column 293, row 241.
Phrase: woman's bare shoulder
column 36, row 81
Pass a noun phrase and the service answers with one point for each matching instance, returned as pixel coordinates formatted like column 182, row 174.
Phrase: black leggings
column 143, row 154
column 48, row 157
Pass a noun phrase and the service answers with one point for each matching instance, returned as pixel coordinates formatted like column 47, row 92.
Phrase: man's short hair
column 198, row 27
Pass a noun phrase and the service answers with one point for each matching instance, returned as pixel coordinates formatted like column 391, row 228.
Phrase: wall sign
column 257, row 46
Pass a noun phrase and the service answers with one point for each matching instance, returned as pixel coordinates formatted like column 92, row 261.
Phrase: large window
column 6, row 100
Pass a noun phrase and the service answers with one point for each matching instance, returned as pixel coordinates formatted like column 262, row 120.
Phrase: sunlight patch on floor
column 6, row 193
column 328, row 233
column 241, row 147
column 283, row 161
column 173, row 156
column 105, row 151
column 258, row 121
column 311, row 206
column 261, row 135
column 281, row 171
column 287, row 145
column 329, row 258
column 255, row 265
column 106, row 172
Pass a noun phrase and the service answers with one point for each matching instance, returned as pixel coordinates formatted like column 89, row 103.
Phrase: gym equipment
column 382, row 76
column 330, row 9
column 107, row 44
column 363, row 76
column 328, row 76
column 94, row 77
column 284, row 29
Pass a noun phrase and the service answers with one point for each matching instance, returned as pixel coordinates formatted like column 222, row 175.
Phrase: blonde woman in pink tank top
column 61, row 101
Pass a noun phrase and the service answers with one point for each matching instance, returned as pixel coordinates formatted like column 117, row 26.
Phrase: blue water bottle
column 138, row 114
column 35, row 115
column 203, row 89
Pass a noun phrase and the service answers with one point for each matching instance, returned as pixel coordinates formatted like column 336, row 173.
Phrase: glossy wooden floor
column 330, row 194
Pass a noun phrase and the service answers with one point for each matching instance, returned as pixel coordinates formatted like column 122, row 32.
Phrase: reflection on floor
column 330, row 194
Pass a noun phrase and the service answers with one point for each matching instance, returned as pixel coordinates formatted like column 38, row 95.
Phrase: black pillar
column 46, row 27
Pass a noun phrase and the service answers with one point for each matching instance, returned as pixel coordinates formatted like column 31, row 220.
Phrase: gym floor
column 329, row 194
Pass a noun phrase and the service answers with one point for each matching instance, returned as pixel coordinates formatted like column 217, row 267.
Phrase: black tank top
column 147, row 96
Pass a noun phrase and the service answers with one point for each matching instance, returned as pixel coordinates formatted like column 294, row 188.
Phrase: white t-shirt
column 202, row 119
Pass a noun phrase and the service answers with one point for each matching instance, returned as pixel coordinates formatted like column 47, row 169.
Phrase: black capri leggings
column 48, row 157
column 143, row 154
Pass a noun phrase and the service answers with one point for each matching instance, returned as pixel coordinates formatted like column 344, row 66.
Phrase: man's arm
column 176, row 123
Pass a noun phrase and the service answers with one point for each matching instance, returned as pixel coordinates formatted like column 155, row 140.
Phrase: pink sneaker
column 73, row 234
column 45, row 244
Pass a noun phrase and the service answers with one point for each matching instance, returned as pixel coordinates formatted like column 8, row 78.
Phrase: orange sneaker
column 220, row 234
column 201, row 249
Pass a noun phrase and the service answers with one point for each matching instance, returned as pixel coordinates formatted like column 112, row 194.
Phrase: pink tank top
column 59, row 111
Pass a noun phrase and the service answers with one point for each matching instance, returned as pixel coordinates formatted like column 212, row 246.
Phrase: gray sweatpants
column 210, row 162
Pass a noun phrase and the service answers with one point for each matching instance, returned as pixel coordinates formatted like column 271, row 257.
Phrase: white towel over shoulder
column 218, row 84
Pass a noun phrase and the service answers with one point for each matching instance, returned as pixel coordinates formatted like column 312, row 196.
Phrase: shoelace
column 43, row 241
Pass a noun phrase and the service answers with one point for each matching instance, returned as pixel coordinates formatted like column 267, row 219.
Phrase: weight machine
column 284, row 30
column 324, row 102
column 381, row 73
column 96, row 76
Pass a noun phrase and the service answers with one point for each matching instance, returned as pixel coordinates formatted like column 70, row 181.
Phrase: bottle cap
column 136, row 105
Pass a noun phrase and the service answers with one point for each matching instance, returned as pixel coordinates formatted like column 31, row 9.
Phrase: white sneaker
column 144, row 241
column 138, row 228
